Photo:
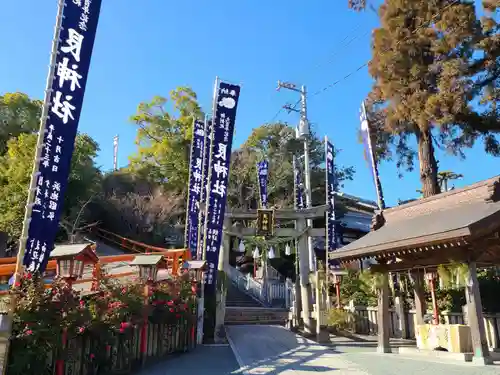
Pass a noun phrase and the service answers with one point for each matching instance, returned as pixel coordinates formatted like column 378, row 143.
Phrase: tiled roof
column 455, row 214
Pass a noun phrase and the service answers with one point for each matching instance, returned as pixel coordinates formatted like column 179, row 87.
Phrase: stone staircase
column 255, row 315
column 238, row 298
column 244, row 309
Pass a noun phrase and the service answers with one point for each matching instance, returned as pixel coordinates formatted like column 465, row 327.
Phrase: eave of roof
column 448, row 217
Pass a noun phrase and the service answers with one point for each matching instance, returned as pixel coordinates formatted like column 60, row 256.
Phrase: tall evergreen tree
column 428, row 78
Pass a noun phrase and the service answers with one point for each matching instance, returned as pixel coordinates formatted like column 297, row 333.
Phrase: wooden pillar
column 222, row 280
column 383, row 344
column 435, row 308
column 419, row 291
column 305, row 286
column 96, row 277
column 476, row 319
column 143, row 348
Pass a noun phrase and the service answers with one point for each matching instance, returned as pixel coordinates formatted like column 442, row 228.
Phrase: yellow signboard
column 265, row 222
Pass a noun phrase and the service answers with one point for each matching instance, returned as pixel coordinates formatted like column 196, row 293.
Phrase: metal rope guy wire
column 347, row 76
column 343, row 43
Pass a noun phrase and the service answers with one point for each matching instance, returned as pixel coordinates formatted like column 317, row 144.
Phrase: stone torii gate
column 301, row 232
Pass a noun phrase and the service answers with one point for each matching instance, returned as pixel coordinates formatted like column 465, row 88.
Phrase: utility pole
column 115, row 153
column 302, row 132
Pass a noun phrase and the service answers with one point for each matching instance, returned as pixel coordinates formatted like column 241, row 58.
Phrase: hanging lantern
column 288, row 250
column 256, row 253
column 241, row 247
column 271, row 254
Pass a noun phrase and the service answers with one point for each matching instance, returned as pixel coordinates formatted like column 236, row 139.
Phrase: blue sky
column 146, row 48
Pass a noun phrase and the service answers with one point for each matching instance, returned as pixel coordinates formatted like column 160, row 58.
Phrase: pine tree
column 357, row 5
column 427, row 78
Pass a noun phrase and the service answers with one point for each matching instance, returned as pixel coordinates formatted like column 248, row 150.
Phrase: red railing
column 173, row 257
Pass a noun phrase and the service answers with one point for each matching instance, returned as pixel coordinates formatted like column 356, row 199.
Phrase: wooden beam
column 317, row 232
column 281, row 232
column 447, row 240
column 285, row 214
column 432, row 261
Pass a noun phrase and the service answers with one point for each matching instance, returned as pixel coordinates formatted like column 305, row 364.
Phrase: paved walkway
column 273, row 350
column 204, row 360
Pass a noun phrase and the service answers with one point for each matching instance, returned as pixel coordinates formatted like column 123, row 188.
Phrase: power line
column 347, row 76
column 275, row 116
column 336, row 54
column 343, row 43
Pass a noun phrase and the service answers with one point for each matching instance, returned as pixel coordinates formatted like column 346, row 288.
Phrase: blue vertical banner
column 298, row 185
column 262, row 174
column 226, row 103
column 195, row 186
column 370, row 155
column 203, row 196
column 331, row 222
column 74, row 51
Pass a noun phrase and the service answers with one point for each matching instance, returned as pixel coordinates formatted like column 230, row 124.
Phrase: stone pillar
column 383, row 315
column 321, row 335
column 288, row 284
column 222, row 280
column 476, row 319
column 305, row 286
column 399, row 306
column 298, row 299
column 419, row 291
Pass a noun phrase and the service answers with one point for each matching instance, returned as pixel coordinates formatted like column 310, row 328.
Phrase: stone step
column 236, row 297
column 256, row 322
column 241, row 304
column 255, row 315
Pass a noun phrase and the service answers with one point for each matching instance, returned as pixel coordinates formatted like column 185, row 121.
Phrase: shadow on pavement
column 275, row 350
column 372, row 344
column 206, row 360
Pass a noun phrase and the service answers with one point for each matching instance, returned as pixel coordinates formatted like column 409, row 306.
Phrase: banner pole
column 327, row 268
column 378, row 185
column 187, row 227
column 202, row 308
column 34, row 175
column 201, row 211
column 214, row 109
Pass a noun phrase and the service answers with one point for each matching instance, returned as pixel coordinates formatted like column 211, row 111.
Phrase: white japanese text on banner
column 78, row 29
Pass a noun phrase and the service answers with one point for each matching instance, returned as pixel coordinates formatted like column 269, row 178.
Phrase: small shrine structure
column 458, row 226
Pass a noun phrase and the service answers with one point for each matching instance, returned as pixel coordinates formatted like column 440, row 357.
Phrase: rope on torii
column 265, row 242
